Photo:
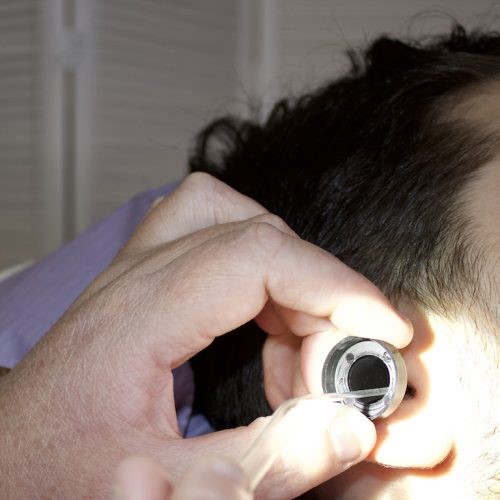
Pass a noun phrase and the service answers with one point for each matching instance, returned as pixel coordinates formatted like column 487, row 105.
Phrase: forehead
column 482, row 202
column 479, row 106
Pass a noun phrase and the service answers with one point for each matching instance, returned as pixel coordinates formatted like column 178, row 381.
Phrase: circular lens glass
column 368, row 372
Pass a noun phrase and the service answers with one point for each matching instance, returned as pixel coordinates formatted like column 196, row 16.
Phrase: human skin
column 141, row 478
column 444, row 441
column 99, row 385
column 434, row 445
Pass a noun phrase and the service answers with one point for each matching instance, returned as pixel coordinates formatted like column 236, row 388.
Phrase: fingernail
column 230, row 471
column 352, row 435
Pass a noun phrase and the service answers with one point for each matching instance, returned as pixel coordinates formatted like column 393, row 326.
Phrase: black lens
column 368, row 372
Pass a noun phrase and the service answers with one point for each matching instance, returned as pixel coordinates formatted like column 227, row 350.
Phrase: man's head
column 395, row 169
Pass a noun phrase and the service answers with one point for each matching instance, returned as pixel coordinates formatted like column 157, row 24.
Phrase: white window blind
column 20, row 184
column 161, row 70
column 99, row 99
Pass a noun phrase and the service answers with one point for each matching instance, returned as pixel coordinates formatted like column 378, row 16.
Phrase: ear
column 419, row 433
column 281, row 365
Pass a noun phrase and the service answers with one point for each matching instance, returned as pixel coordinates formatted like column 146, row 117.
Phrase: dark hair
column 371, row 167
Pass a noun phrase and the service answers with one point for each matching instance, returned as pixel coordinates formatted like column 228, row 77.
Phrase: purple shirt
column 34, row 299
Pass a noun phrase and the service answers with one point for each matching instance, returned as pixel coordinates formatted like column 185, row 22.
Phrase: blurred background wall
column 100, row 99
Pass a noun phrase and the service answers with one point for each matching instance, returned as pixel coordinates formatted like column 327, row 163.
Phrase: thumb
column 315, row 441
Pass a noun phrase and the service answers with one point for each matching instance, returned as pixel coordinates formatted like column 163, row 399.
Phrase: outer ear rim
column 419, row 434
column 421, row 442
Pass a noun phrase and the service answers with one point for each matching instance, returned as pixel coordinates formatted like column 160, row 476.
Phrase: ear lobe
column 280, row 360
column 419, row 433
column 412, row 439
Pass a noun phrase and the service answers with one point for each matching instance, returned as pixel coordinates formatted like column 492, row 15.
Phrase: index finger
column 227, row 281
column 323, row 286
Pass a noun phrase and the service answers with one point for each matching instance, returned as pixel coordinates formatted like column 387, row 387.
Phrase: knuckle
column 199, row 181
column 208, row 191
column 275, row 221
column 264, row 238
